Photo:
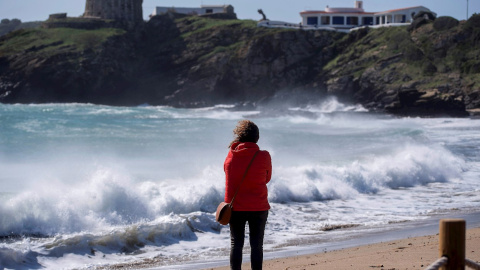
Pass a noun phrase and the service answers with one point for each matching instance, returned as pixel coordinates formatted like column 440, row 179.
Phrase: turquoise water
column 83, row 185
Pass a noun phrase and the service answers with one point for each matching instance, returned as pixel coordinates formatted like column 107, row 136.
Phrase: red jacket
column 253, row 192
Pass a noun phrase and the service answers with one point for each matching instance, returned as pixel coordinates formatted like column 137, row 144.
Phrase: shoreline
column 408, row 253
column 397, row 236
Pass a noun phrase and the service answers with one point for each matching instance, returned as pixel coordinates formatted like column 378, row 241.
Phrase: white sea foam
column 106, row 200
column 110, row 197
column 331, row 105
column 16, row 259
column 89, row 183
column 409, row 166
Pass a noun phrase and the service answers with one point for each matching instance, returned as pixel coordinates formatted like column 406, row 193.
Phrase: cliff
column 427, row 69
column 430, row 68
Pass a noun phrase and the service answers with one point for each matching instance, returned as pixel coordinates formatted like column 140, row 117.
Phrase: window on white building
column 352, row 20
column 367, row 21
column 325, row 20
column 312, row 20
column 388, row 19
column 338, row 20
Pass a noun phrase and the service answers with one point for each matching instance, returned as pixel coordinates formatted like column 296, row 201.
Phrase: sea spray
column 408, row 166
column 110, row 199
column 330, row 105
column 83, row 185
column 107, row 199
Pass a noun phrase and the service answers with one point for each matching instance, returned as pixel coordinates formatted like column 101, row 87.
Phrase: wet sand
column 409, row 253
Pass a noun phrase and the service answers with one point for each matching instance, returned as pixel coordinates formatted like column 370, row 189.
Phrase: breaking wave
column 408, row 167
column 109, row 199
column 85, row 184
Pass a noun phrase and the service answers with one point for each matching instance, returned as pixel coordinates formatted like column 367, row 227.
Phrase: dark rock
column 425, row 14
column 429, row 68
column 407, row 97
column 420, row 19
column 410, row 85
column 445, row 23
column 406, row 78
column 173, row 60
column 382, row 63
column 358, row 35
column 341, row 86
column 417, row 23
column 472, row 100
column 389, row 99
column 221, row 16
column 473, row 22
column 427, row 103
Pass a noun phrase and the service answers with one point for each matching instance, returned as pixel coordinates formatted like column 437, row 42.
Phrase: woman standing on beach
column 251, row 203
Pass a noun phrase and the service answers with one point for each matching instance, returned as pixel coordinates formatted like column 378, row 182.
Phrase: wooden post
column 452, row 243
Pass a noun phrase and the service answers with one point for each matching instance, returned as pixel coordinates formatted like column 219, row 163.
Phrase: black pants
column 256, row 223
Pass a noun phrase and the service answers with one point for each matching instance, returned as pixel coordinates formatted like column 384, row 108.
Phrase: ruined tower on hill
column 120, row 10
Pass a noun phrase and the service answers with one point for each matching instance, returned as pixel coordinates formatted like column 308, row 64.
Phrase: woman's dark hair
column 246, row 131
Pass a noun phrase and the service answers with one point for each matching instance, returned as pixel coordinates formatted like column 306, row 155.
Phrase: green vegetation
column 50, row 41
column 374, row 46
column 209, row 37
column 231, row 49
column 192, row 54
column 196, row 24
column 442, row 54
column 79, row 20
column 445, row 23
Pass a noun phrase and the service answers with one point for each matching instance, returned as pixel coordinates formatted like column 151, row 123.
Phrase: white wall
column 385, row 16
column 198, row 11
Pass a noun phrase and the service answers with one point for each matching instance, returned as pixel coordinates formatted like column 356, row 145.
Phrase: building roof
column 400, row 9
column 214, row 6
column 361, row 13
column 324, row 12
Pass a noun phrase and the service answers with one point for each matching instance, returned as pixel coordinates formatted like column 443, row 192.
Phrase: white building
column 202, row 10
column 347, row 18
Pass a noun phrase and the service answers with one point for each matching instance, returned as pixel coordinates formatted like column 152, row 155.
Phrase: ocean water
column 85, row 186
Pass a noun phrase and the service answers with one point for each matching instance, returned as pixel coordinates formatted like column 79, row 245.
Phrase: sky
column 281, row 10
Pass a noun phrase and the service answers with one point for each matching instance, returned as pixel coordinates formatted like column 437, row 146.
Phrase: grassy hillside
column 216, row 36
column 195, row 61
column 192, row 25
column 51, row 41
column 444, row 54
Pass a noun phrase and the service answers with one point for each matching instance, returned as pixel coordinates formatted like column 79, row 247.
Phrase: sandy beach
column 409, row 253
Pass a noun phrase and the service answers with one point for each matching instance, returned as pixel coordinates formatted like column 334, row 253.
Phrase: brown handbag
column 224, row 210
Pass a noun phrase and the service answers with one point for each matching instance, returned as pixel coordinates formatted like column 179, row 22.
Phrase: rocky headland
column 429, row 68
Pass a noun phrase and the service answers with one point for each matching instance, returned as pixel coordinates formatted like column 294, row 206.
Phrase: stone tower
column 119, row 10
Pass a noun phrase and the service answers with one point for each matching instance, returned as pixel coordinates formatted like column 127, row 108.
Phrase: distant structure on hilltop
column 120, row 10
column 347, row 18
column 204, row 10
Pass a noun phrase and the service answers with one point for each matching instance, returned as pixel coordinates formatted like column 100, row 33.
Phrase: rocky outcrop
column 249, row 69
column 191, row 61
column 430, row 70
column 173, row 60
